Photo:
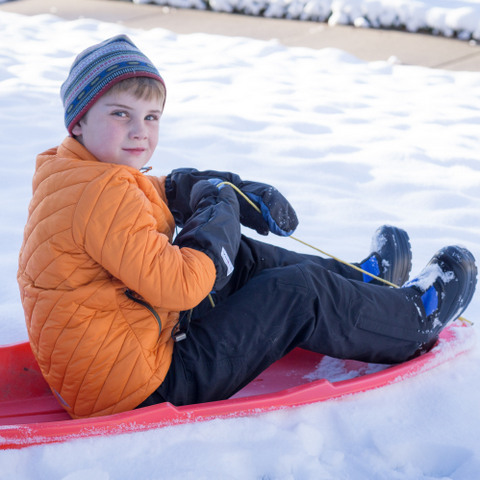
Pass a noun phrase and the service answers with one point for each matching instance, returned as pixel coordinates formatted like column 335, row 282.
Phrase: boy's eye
column 152, row 117
column 120, row 114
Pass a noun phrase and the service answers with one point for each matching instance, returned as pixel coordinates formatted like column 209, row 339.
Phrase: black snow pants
column 275, row 301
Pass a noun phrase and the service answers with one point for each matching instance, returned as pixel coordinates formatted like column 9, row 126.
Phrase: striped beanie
column 97, row 69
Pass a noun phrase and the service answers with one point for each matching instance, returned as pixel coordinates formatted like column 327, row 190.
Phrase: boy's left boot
column 446, row 285
column 445, row 288
column 391, row 257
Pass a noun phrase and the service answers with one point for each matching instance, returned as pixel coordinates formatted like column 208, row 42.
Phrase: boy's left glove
column 277, row 215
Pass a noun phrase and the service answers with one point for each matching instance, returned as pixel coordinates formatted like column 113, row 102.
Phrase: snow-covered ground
column 353, row 145
column 441, row 17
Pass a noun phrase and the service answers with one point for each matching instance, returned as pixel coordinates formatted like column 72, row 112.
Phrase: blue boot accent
column 430, row 300
column 370, row 265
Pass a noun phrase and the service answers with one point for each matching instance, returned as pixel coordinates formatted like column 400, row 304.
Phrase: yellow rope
column 345, row 263
column 461, row 319
column 212, row 303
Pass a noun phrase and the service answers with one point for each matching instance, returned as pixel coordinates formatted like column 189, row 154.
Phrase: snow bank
column 444, row 17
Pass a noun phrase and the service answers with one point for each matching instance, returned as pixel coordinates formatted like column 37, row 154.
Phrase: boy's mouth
column 135, row 151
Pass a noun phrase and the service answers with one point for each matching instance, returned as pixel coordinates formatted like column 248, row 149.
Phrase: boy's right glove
column 213, row 227
column 277, row 215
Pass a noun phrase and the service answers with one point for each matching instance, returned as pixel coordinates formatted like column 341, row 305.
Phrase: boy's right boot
column 446, row 287
column 391, row 257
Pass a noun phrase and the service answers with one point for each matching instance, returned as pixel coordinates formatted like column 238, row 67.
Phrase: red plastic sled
column 30, row 414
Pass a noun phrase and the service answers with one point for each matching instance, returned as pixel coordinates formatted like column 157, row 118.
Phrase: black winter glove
column 277, row 215
column 213, row 227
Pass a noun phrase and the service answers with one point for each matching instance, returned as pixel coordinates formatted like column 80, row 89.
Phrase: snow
column 353, row 145
column 428, row 276
column 441, row 17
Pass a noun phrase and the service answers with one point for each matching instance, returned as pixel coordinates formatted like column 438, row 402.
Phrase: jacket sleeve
column 117, row 228
column 159, row 184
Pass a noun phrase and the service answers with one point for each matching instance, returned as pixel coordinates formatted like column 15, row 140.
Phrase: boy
column 117, row 309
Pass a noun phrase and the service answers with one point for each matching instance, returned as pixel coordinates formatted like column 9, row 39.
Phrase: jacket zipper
column 131, row 296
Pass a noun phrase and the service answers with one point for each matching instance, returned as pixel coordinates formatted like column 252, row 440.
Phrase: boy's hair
column 98, row 69
column 140, row 87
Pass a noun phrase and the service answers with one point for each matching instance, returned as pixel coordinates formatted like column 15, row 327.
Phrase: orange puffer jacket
column 95, row 233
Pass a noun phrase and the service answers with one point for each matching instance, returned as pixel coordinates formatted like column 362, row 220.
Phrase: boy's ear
column 77, row 129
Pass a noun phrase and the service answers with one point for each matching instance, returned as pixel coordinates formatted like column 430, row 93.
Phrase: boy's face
column 120, row 128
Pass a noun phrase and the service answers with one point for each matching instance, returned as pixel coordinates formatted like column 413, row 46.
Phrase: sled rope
column 461, row 319
column 345, row 263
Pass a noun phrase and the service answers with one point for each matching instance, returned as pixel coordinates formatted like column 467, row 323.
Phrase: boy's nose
column 138, row 130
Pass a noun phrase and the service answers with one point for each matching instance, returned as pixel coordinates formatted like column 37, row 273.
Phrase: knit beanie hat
column 99, row 68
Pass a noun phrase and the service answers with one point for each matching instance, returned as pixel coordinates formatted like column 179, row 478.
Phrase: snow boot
column 446, row 286
column 391, row 257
